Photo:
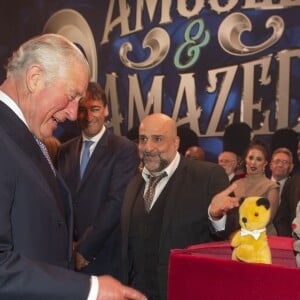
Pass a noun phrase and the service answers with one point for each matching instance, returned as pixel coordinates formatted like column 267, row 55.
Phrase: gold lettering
column 229, row 74
column 113, row 99
column 215, row 5
column 248, row 102
column 188, row 13
column 283, row 92
column 135, row 98
column 269, row 4
column 121, row 20
column 187, row 88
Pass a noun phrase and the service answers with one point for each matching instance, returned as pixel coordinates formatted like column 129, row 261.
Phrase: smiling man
column 97, row 188
column 46, row 77
column 281, row 166
column 171, row 215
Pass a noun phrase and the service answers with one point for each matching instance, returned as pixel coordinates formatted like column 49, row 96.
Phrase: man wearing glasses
column 228, row 160
column 281, row 166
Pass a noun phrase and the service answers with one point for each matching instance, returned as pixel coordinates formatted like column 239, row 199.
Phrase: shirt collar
column 13, row 106
column 282, row 181
column 96, row 138
column 231, row 176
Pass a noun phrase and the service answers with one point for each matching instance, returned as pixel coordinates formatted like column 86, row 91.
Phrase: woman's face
column 255, row 162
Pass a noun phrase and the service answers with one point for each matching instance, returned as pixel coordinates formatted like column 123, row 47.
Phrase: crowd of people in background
column 108, row 205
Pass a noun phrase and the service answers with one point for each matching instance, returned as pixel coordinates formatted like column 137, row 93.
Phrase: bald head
column 195, row 152
column 158, row 141
column 162, row 123
column 228, row 160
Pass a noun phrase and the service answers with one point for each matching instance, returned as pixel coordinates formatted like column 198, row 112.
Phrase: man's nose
column 71, row 110
column 89, row 115
column 148, row 145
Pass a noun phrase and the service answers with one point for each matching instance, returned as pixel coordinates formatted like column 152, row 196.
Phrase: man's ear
column 34, row 76
column 106, row 110
column 177, row 141
column 291, row 167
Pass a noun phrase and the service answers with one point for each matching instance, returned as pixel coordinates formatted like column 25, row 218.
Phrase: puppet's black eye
column 256, row 214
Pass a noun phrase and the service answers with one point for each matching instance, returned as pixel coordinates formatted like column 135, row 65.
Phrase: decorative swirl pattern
column 72, row 25
column 157, row 40
column 191, row 38
column 231, row 29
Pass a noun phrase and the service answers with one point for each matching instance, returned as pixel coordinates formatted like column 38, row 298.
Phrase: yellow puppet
column 250, row 243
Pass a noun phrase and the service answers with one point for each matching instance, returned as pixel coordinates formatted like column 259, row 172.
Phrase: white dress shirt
column 170, row 169
column 96, row 138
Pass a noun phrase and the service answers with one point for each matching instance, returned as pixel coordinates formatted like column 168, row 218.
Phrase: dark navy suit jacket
column 98, row 197
column 36, row 221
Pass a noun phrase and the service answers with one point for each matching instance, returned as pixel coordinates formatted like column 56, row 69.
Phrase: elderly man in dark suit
column 228, row 160
column 46, row 77
column 99, row 189
column 173, row 215
column 287, row 210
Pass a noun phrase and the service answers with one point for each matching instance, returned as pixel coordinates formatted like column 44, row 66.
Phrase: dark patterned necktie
column 85, row 156
column 149, row 195
column 46, row 154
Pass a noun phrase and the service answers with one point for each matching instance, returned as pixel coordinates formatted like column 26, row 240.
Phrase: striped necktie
column 149, row 195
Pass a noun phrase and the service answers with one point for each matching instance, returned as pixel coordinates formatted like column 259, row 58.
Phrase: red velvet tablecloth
column 206, row 271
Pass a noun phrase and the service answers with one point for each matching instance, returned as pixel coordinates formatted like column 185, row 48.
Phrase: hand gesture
column 80, row 261
column 112, row 289
column 221, row 203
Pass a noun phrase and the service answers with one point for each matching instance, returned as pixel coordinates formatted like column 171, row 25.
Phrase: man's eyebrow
column 157, row 135
column 89, row 107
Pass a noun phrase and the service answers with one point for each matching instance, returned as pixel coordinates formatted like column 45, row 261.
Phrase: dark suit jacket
column 287, row 209
column 185, row 222
column 98, row 197
column 35, row 221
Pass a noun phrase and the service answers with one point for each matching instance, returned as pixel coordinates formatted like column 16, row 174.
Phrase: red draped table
column 206, row 271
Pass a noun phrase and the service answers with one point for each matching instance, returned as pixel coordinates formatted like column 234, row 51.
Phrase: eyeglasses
column 225, row 161
column 278, row 161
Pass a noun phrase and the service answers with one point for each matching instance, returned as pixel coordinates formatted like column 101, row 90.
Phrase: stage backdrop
column 205, row 63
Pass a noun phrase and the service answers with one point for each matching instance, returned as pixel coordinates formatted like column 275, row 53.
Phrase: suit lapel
column 74, row 160
column 18, row 132
column 131, row 196
column 67, row 199
column 171, row 191
column 24, row 139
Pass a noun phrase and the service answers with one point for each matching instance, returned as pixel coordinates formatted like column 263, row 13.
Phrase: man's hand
column 80, row 261
column 112, row 289
column 221, row 203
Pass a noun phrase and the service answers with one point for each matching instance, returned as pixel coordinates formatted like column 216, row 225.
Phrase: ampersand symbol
column 191, row 48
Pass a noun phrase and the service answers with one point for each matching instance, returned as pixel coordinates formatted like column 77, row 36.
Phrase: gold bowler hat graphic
column 72, row 25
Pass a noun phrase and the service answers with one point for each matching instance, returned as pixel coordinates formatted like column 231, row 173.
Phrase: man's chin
column 41, row 135
column 152, row 167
